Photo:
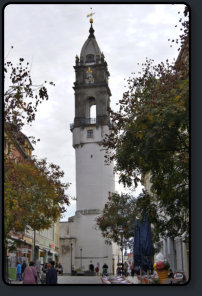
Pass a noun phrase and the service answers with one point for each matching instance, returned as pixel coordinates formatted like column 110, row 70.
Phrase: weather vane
column 90, row 15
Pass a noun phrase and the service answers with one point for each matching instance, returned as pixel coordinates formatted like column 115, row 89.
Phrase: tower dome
column 90, row 52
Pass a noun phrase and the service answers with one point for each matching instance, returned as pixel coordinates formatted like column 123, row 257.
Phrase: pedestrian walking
column 43, row 278
column 24, row 264
column 97, row 270
column 91, row 267
column 51, row 275
column 125, row 268
column 30, row 274
column 44, row 268
column 132, row 271
column 19, row 271
column 118, row 270
column 60, row 268
column 136, row 270
column 105, row 268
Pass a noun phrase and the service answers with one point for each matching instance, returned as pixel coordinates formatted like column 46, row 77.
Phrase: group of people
column 27, row 273
column 97, row 269
column 123, row 270
column 31, row 274
column 59, row 268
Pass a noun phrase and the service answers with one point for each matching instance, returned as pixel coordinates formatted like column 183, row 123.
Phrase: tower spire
column 91, row 31
column 90, row 15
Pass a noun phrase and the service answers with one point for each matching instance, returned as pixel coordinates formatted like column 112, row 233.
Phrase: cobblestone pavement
column 71, row 280
column 88, row 279
column 79, row 280
column 133, row 279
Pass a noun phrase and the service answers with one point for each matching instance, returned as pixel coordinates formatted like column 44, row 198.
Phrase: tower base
column 82, row 244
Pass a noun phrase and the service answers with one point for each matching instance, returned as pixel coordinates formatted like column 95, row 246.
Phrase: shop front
column 27, row 248
column 20, row 251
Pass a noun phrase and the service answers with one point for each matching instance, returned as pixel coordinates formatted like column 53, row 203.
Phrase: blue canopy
column 142, row 251
column 137, row 249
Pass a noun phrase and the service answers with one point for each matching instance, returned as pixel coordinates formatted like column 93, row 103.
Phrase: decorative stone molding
column 71, row 219
column 79, row 257
column 65, row 249
column 89, row 212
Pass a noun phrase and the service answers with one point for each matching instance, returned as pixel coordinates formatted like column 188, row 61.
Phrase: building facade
column 21, row 244
column 174, row 250
column 17, row 147
column 47, row 244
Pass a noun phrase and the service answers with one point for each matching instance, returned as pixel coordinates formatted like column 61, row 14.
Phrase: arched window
column 90, row 108
column 93, row 111
column 90, row 58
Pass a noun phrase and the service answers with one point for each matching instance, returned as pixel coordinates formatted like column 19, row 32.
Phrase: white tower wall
column 94, row 178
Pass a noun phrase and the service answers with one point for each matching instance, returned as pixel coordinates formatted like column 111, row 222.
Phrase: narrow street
column 87, row 280
column 105, row 194
column 80, row 280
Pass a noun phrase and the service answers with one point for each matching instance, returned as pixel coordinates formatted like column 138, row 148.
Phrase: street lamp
column 71, row 258
column 81, row 257
column 121, row 231
column 34, row 250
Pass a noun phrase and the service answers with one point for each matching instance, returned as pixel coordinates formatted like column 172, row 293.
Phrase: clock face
column 89, row 76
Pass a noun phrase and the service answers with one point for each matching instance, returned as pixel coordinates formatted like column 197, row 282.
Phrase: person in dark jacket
column 105, row 268
column 51, row 275
column 23, row 266
column 60, row 268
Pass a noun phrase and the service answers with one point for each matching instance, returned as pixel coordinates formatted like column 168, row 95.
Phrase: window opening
column 93, row 111
column 89, row 133
column 90, row 58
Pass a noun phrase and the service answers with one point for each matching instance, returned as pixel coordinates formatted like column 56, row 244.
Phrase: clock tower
column 94, row 179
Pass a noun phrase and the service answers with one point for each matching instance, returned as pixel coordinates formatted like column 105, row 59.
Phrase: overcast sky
column 50, row 35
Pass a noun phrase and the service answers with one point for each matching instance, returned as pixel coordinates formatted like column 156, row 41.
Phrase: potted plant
column 79, row 271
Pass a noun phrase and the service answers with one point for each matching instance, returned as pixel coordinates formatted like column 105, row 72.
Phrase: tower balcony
column 82, row 122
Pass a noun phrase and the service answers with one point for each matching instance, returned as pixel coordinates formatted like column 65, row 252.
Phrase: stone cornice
column 89, row 212
column 94, row 85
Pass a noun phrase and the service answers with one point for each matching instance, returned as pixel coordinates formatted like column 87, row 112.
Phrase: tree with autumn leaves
column 117, row 220
column 150, row 137
column 117, row 214
column 34, row 194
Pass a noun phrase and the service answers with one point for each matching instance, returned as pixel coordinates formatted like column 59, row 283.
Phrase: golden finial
column 90, row 14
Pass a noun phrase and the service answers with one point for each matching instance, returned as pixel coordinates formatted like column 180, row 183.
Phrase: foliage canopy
column 34, row 194
column 118, row 215
column 150, row 137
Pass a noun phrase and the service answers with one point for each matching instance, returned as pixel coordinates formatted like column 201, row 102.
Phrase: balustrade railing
column 88, row 121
